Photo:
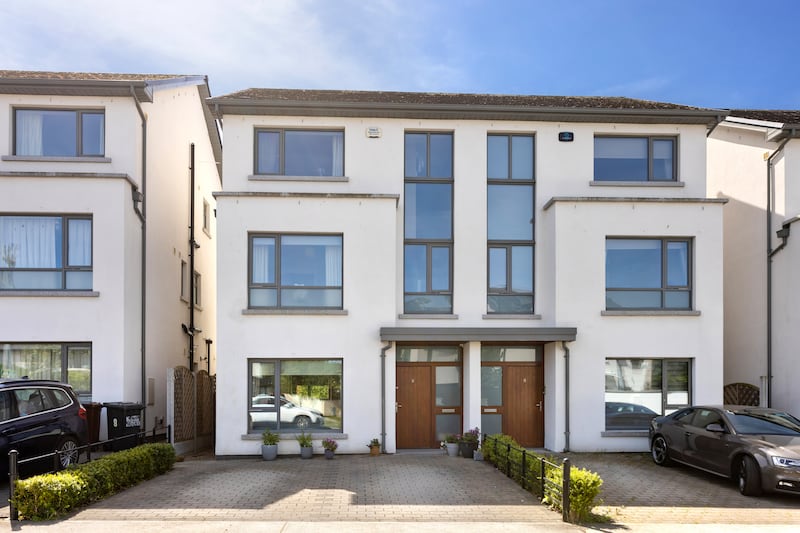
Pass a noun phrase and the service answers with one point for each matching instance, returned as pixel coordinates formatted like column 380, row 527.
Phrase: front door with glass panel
column 512, row 393
column 428, row 395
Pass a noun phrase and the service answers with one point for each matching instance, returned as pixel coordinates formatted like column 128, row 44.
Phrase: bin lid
column 124, row 405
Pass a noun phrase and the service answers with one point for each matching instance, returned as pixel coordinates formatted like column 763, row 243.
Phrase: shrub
column 51, row 495
column 584, row 487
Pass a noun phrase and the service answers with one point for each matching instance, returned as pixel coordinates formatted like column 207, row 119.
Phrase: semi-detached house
column 95, row 270
column 402, row 266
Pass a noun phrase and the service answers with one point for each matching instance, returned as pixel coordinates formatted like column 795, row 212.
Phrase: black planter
column 467, row 449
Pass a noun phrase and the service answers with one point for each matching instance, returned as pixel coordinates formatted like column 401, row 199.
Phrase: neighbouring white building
column 402, row 266
column 94, row 231
column 754, row 162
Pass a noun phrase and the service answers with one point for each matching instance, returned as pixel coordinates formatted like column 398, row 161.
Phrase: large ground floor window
column 639, row 389
column 295, row 395
column 69, row 363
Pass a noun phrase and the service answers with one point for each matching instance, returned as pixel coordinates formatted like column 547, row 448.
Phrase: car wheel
column 68, row 452
column 302, row 422
column 660, row 451
column 749, row 477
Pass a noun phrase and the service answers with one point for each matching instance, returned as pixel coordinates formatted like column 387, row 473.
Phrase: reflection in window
column 68, row 363
column 300, row 152
column 54, row 133
column 634, row 159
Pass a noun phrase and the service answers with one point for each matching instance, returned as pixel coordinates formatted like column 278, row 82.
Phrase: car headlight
column 786, row 462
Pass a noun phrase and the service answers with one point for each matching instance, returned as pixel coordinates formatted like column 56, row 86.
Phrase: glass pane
column 497, row 156
column 442, row 354
column 510, row 304
column 510, row 212
column 80, row 242
column 428, row 303
column 633, row 299
column 263, row 412
column 263, row 298
column 491, row 385
column 79, row 280
column 269, row 148
column 93, row 133
column 311, row 394
column 441, row 155
column 416, row 155
column 46, row 133
column 447, row 425
column 522, row 269
column 440, row 268
column 79, row 368
column 620, row 159
column 37, row 361
column 311, row 261
column 513, row 354
column 497, row 269
column 521, row 157
column 27, row 279
column 263, row 258
column 311, row 298
column 416, row 267
column 677, row 383
column 428, row 211
column 30, row 242
column 448, row 386
column 678, row 264
column 492, row 424
column 313, row 153
column 663, row 150
column 633, row 263
column 633, row 392
column 677, row 300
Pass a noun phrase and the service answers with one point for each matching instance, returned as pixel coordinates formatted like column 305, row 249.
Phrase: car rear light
column 82, row 412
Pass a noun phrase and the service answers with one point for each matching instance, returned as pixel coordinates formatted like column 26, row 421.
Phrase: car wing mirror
column 715, row 428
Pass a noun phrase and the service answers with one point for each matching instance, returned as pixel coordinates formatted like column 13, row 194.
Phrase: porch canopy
column 467, row 334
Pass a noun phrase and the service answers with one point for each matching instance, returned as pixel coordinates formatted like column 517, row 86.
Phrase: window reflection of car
column 623, row 415
column 301, row 417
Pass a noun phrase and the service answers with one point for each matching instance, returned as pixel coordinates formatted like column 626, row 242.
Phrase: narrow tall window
column 428, row 216
column 510, row 182
column 57, row 132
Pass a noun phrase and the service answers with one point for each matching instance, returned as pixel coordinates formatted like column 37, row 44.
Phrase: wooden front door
column 414, row 415
column 523, row 398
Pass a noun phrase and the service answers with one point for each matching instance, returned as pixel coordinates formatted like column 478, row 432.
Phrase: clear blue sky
column 707, row 53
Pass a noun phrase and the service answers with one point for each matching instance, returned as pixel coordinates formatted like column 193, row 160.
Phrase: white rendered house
column 406, row 265
column 94, row 211
column 754, row 162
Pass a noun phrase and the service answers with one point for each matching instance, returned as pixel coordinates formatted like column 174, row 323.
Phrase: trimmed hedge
column 584, row 484
column 52, row 495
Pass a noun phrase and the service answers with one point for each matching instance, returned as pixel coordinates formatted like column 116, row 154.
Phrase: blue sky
column 707, row 53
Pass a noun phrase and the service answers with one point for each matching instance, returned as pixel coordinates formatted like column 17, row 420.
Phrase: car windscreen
column 755, row 423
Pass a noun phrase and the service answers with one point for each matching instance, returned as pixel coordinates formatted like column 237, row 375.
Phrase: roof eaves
column 76, row 87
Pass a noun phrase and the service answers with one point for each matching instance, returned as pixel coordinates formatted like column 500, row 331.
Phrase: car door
column 676, row 433
column 709, row 450
column 33, row 430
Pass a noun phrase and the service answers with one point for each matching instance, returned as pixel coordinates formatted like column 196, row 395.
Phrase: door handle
column 397, row 405
column 539, row 405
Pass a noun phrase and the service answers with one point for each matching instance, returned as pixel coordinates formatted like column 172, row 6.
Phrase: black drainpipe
column 143, row 217
column 566, row 396
column 192, row 246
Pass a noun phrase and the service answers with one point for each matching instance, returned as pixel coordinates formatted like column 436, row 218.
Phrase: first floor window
column 59, row 132
column 295, row 395
column 427, row 280
column 300, row 152
column 295, row 271
column 639, row 389
column 510, row 278
column 648, row 274
column 69, row 363
column 634, row 158
column 45, row 252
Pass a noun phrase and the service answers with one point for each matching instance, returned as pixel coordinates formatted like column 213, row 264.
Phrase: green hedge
column 584, row 484
column 51, row 495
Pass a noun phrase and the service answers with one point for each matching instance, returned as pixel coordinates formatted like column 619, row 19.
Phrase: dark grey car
column 757, row 447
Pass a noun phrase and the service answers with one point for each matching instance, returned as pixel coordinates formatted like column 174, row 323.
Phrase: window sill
column 637, row 184
column 649, row 312
column 431, row 316
column 291, row 436
column 265, row 177
column 49, row 294
column 499, row 316
column 56, row 159
column 336, row 312
column 625, row 433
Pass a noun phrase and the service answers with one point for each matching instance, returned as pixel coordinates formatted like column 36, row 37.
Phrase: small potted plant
column 469, row 443
column 330, row 446
column 269, row 448
column 374, row 447
column 305, row 441
column 451, row 445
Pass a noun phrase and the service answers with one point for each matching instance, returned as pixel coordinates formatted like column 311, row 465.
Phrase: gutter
column 384, row 349
column 566, row 395
column 143, row 218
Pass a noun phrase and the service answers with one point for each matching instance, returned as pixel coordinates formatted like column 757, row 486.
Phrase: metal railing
column 14, row 462
column 530, row 471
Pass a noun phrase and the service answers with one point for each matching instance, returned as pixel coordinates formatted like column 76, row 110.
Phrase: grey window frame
column 65, row 267
column 79, row 113
column 506, row 243
column 431, row 243
column 282, row 149
column 65, row 346
column 650, row 140
column 277, row 285
column 665, row 286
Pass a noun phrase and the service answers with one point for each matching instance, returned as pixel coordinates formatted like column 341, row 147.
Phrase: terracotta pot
column 374, row 450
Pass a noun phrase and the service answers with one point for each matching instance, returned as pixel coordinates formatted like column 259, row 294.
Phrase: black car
column 38, row 417
column 757, row 447
column 623, row 415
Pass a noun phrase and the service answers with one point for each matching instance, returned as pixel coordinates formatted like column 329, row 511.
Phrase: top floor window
column 59, row 133
column 429, row 155
column 634, row 158
column 300, row 152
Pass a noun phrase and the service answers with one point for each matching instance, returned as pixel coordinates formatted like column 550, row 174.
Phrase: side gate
column 191, row 401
